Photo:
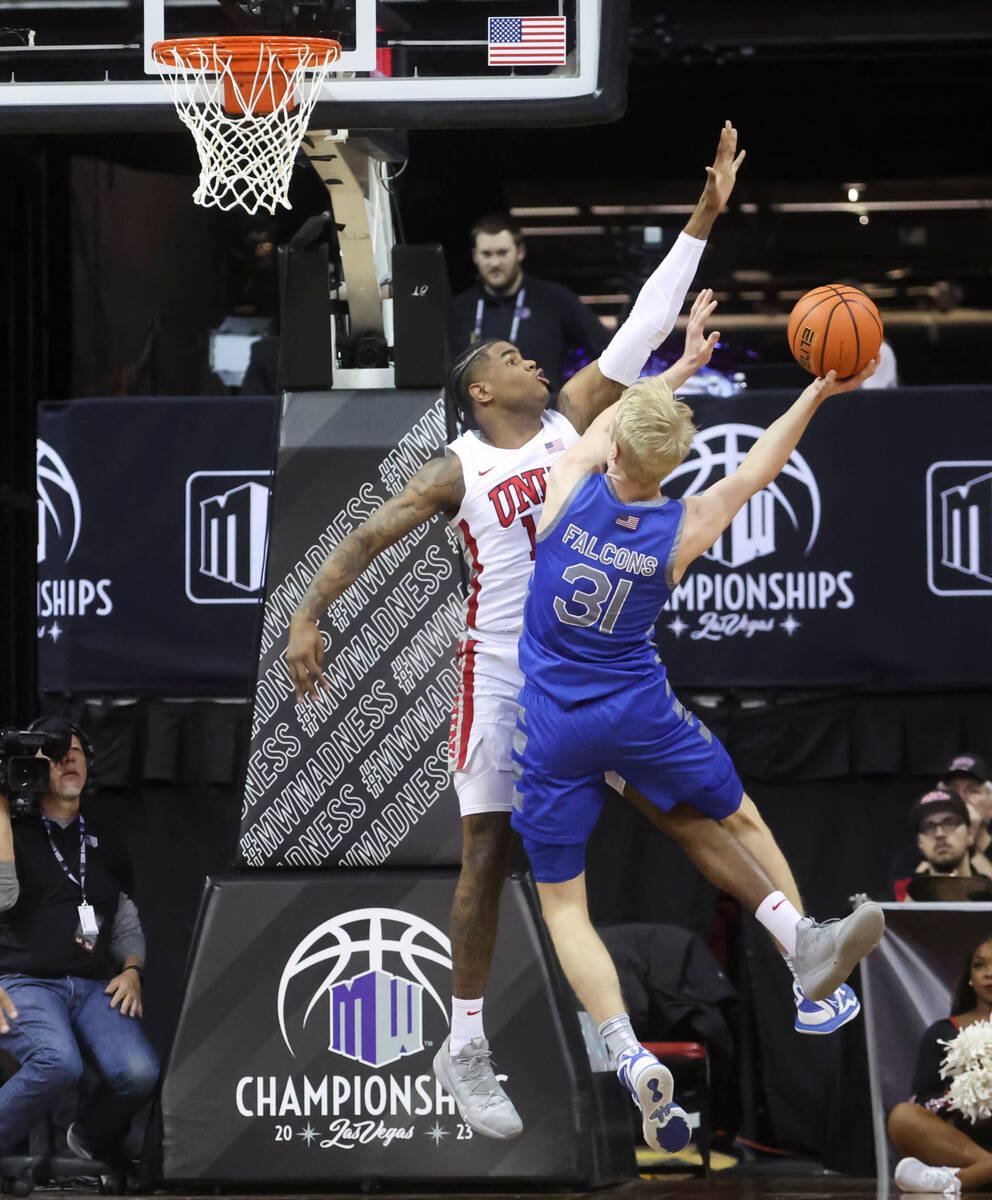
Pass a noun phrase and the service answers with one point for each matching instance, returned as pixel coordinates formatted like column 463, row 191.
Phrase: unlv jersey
column 498, row 518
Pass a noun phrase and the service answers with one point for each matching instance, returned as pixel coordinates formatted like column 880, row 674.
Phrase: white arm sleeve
column 652, row 318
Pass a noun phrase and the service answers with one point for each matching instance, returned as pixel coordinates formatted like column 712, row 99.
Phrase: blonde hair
column 653, row 430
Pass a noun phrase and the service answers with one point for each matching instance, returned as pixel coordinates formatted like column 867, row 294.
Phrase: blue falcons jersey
column 602, row 573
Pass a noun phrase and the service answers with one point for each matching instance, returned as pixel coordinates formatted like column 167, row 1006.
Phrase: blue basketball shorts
column 643, row 733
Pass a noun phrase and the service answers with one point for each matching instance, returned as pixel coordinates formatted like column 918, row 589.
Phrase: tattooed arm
column 437, row 487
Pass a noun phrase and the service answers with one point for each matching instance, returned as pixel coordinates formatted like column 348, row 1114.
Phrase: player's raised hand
column 721, row 177
column 305, row 657
column 830, row 385
column 698, row 345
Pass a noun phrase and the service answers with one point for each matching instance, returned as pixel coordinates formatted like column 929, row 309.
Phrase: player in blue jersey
column 610, row 549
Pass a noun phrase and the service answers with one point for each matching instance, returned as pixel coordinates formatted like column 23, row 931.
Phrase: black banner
column 151, row 543
column 360, row 777
column 867, row 562
column 314, row 1008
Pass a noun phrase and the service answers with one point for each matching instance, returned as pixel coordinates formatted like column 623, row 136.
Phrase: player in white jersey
column 496, row 524
column 507, row 396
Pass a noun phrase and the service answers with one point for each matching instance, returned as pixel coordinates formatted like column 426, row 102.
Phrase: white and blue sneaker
column 665, row 1126
column 825, row 1016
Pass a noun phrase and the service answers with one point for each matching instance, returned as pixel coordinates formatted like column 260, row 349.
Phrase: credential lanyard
column 81, row 881
column 518, row 312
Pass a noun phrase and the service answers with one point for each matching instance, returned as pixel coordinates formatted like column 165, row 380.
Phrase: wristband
column 134, row 967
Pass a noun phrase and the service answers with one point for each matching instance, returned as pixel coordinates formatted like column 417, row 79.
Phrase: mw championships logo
column 227, row 532
column 374, row 1016
column 782, row 520
column 60, row 523
column 959, row 528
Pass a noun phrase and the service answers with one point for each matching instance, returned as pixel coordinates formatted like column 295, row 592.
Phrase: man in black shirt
column 945, row 843
column 71, row 956
column 541, row 319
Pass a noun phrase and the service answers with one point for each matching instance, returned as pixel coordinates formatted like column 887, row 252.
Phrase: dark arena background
column 201, row 402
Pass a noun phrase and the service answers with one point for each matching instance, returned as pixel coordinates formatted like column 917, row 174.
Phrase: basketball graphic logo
column 716, row 453
column 59, row 508
column 373, row 1016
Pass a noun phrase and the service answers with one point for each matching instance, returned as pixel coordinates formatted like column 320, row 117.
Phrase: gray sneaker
column 469, row 1079
column 826, row 954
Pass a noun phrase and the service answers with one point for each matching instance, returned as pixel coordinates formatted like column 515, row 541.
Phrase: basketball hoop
column 247, row 104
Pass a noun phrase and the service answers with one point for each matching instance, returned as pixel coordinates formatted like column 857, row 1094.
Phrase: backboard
column 86, row 64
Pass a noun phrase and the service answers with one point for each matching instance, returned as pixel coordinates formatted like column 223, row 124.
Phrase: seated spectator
column 969, row 776
column 71, row 957
column 944, row 843
column 944, row 1152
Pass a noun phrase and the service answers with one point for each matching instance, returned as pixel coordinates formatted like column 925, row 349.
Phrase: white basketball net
column 246, row 158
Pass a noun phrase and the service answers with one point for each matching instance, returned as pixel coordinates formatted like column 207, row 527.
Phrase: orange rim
column 242, row 52
column 241, row 59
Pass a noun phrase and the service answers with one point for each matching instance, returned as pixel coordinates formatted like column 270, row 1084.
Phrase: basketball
column 834, row 328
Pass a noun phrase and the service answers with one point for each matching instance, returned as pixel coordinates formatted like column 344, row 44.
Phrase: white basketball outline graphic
column 59, row 474
column 730, row 458
column 376, row 943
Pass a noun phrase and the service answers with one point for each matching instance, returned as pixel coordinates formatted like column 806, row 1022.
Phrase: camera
column 24, row 777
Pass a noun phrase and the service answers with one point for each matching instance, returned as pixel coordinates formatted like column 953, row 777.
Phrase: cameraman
column 71, row 953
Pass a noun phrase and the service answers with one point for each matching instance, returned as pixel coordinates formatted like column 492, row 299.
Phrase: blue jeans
column 58, row 1022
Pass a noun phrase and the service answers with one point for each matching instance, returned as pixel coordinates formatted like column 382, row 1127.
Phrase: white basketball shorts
column 483, row 721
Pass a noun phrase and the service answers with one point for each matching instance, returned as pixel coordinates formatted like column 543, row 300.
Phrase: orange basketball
column 834, row 328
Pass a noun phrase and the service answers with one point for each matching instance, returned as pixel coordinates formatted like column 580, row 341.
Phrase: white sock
column 466, row 1022
column 779, row 916
column 618, row 1034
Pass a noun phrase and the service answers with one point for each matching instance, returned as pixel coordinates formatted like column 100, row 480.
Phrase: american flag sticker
column 555, row 446
column 521, row 40
column 628, row 521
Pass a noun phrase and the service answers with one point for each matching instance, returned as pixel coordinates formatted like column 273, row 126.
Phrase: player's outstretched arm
column 438, row 486
column 589, row 453
column 659, row 302
column 709, row 514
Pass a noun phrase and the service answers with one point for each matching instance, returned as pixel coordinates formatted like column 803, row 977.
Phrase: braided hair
column 461, row 374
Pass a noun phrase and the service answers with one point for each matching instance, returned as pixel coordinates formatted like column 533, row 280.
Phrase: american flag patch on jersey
column 555, row 446
column 629, row 521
